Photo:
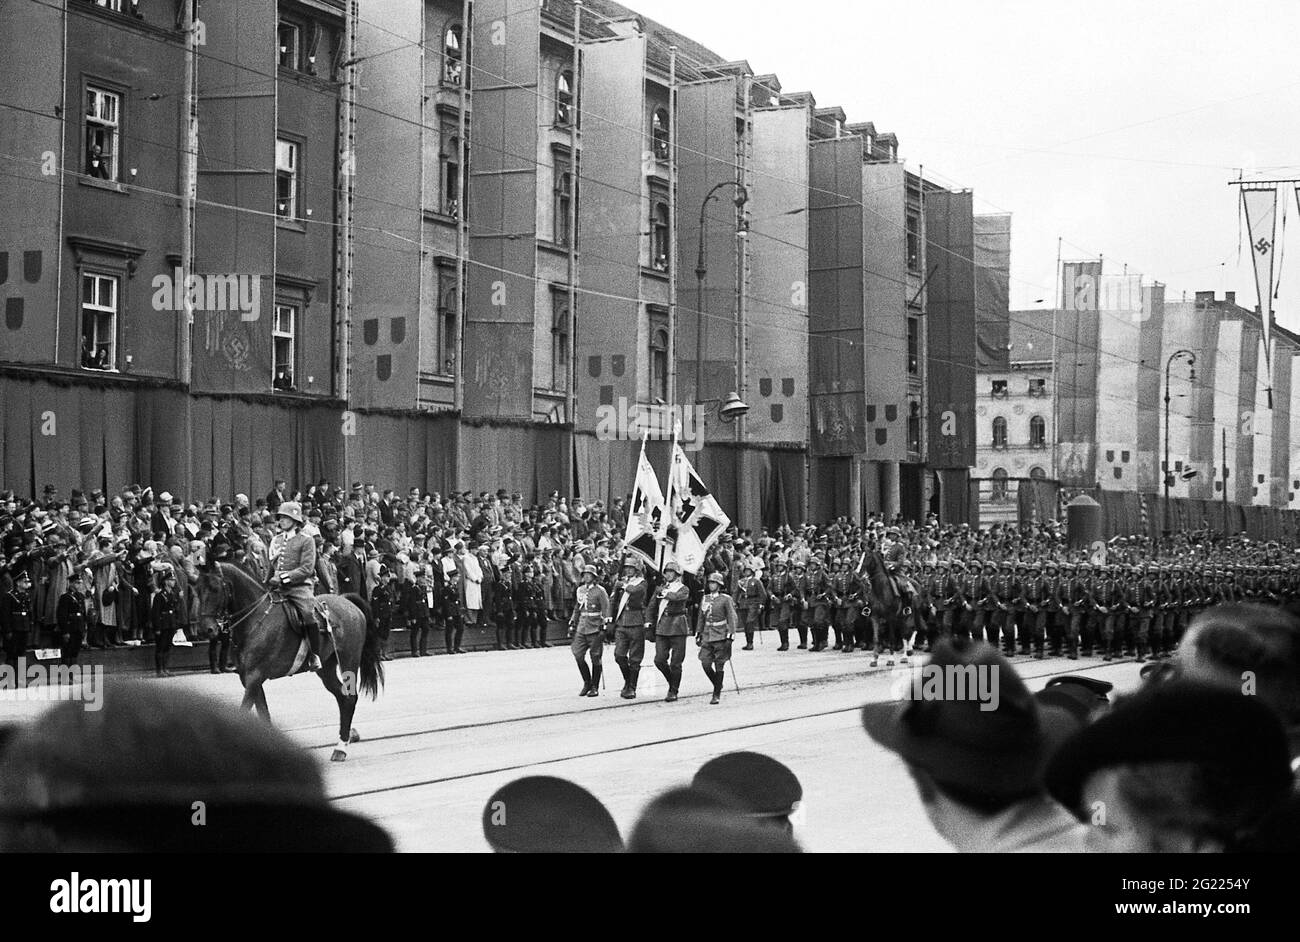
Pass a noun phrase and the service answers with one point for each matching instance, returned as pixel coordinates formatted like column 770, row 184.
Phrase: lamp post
column 1169, row 471
column 701, row 272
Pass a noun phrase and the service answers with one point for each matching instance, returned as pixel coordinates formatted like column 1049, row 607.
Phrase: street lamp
column 1169, row 471
column 701, row 271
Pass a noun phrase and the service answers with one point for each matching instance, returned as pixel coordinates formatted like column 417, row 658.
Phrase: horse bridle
column 227, row 620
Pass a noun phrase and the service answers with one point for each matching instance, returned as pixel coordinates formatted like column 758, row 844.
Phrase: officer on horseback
column 293, row 573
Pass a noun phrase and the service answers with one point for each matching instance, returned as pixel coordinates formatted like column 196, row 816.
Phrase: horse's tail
column 372, row 668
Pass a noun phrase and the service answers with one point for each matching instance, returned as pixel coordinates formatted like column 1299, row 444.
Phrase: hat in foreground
column 540, row 814
column 763, row 786
column 996, row 746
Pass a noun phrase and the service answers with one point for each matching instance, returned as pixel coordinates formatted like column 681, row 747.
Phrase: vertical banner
column 992, row 291
column 1077, row 336
column 1261, row 226
column 1150, row 376
column 835, row 298
column 29, row 187
column 613, row 87
column 950, row 333
column 776, row 309
column 499, row 296
column 1119, row 314
column 1251, row 421
column 386, row 268
column 706, row 156
column 234, row 219
column 884, row 276
column 1228, row 367
column 1280, row 458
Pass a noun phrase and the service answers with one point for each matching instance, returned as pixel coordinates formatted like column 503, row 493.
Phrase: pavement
column 447, row 731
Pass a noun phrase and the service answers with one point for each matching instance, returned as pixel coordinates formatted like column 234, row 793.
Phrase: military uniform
column 590, row 613
column 751, row 599
column 714, row 629
column 16, row 623
column 821, row 601
column 671, row 629
column 419, row 602
column 72, row 614
column 630, row 626
column 848, row 589
column 787, row 599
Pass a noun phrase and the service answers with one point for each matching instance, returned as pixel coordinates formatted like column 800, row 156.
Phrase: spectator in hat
column 1179, row 767
column 124, row 778
column 696, row 820
column 540, row 814
column 765, row 790
column 979, row 770
column 1248, row 644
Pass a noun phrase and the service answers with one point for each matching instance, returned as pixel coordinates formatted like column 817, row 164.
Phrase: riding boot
column 586, row 678
column 501, row 638
column 595, row 679
column 803, row 637
column 460, row 636
column 675, row 681
column 720, row 675
column 447, row 642
column 784, row 635
column 415, row 641
column 749, row 640
column 630, row 691
column 311, row 630
column 622, row 666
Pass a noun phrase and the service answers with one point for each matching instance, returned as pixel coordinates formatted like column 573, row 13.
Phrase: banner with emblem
column 1260, row 204
column 695, row 520
column 646, row 513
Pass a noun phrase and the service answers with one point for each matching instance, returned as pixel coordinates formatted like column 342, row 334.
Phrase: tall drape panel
column 706, row 155
column 829, row 481
column 1037, row 501
column 90, row 464
column 499, row 296
column 1076, row 385
column 835, row 301
column 17, row 407
column 44, row 447
column 992, row 255
column 954, row 496
column 1150, row 376
column 233, row 231
column 613, row 83
column 950, row 329
column 884, row 274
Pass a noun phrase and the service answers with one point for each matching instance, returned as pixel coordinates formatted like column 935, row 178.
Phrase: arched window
column 1037, row 432
column 659, row 237
column 659, row 365
column 999, row 432
column 453, row 60
column 999, row 490
column 659, row 133
column 564, row 98
column 1037, row 473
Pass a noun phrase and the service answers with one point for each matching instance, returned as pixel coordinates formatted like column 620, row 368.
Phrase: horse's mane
column 240, row 580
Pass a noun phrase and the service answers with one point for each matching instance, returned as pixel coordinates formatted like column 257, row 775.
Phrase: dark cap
column 542, row 814
column 762, row 785
column 1178, row 721
column 699, row 821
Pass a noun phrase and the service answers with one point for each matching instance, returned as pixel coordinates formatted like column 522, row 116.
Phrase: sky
column 1114, row 125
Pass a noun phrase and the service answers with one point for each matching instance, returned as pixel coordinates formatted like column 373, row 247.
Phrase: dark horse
column 267, row 648
column 889, row 615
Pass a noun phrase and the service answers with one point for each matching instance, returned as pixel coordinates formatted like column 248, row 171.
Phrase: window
column 1037, row 432
column 447, row 304
column 913, row 242
column 114, row 5
column 99, row 306
column 999, row 488
column 450, row 160
column 914, row 427
column 913, row 346
column 1038, row 387
column 999, row 432
column 659, row 234
column 564, row 98
column 563, row 198
column 453, row 60
column 659, row 354
column 999, row 389
column 659, row 138
column 288, row 34
column 560, row 338
column 286, row 179
column 103, row 131
column 1037, row 474
column 284, row 340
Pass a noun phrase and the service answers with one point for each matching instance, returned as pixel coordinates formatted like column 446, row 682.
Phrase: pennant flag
column 645, row 517
column 695, row 520
column 1261, row 225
